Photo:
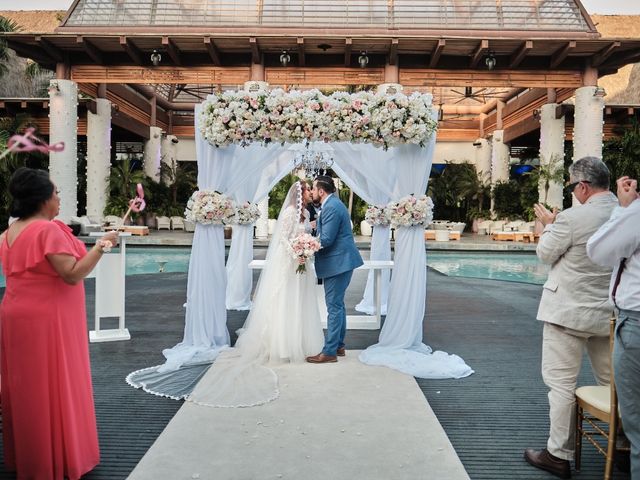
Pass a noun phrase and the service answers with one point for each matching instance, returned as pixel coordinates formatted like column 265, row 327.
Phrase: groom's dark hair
column 325, row 182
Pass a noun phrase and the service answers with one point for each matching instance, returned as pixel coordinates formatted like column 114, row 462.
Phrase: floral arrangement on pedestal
column 305, row 116
column 246, row 213
column 209, row 207
column 302, row 248
column 410, row 211
column 376, row 215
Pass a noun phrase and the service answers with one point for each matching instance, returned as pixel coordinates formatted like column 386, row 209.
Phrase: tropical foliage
column 622, row 154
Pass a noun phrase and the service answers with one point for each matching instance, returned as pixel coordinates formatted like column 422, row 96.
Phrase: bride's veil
column 239, row 376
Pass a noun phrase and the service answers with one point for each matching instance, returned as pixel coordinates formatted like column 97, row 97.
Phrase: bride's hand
column 313, row 224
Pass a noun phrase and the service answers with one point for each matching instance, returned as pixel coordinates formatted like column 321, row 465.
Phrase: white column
column 483, row 160
column 98, row 157
column 262, row 224
column 499, row 158
column 63, row 127
column 152, row 153
column 587, row 127
column 168, row 152
column 551, row 154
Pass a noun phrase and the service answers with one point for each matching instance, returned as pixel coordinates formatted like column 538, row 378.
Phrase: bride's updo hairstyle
column 29, row 189
column 325, row 182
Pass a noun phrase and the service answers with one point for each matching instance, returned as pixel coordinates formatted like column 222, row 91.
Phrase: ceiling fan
column 479, row 95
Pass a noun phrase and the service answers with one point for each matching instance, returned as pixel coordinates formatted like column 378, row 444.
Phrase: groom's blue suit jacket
column 339, row 253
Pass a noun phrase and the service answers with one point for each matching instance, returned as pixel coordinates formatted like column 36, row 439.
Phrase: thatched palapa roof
column 35, row 21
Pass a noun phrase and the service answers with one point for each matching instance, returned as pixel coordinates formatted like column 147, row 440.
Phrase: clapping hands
column 627, row 190
column 544, row 215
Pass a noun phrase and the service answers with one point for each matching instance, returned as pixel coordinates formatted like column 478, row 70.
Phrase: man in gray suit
column 574, row 307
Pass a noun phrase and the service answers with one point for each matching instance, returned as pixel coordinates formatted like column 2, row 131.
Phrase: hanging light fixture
column 599, row 92
column 285, row 58
column 313, row 160
column 54, row 88
column 156, row 57
column 490, row 61
column 440, row 113
column 363, row 59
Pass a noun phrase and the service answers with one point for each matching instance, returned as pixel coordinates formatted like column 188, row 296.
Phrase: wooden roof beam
column 558, row 57
column 300, row 43
column 50, row 49
column 520, row 54
column 603, row 54
column 135, row 54
column 255, row 51
column 479, row 52
column 90, row 49
column 172, row 50
column 33, row 53
column 393, row 52
column 437, row 52
column 213, row 51
column 348, row 44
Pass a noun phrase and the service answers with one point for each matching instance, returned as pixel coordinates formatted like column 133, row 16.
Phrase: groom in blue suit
column 335, row 262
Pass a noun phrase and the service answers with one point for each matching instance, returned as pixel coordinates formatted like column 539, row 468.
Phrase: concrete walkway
column 345, row 420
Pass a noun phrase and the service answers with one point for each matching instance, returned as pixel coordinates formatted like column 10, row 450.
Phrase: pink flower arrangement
column 303, row 247
column 209, row 207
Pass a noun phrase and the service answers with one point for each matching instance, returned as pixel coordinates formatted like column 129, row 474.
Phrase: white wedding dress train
column 283, row 326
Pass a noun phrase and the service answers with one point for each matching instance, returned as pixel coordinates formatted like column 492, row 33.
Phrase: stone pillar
column 551, row 154
column 499, row 158
column 152, row 153
column 98, row 157
column 168, row 154
column 483, row 160
column 262, row 224
column 588, row 121
column 63, row 127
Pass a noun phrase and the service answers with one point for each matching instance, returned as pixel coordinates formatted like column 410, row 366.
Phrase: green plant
column 506, row 196
column 6, row 25
column 122, row 185
column 622, row 154
column 278, row 194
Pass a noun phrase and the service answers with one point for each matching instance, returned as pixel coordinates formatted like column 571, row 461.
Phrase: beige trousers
column 562, row 352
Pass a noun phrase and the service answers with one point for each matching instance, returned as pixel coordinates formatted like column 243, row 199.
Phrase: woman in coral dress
column 49, row 424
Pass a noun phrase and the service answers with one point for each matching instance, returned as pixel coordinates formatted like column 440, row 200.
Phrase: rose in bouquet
column 247, row 213
column 410, row 211
column 303, row 247
column 376, row 215
column 209, row 207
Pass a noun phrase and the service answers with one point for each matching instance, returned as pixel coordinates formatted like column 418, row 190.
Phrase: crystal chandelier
column 313, row 162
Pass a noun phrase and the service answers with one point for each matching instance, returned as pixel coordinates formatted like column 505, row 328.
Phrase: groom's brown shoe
column 341, row 352
column 322, row 358
column 544, row 460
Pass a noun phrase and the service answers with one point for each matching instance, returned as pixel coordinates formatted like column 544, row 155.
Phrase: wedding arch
column 382, row 146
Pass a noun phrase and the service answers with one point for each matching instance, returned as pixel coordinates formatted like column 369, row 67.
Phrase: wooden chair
column 596, row 405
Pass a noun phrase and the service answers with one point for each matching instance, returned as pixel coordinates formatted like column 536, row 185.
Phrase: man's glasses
column 569, row 188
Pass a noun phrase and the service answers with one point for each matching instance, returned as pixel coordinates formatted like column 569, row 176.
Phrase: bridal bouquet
column 247, row 213
column 376, row 215
column 209, row 207
column 303, row 247
column 410, row 211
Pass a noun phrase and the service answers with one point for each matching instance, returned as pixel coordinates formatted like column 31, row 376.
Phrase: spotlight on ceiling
column 324, row 47
column 363, row 59
column 54, row 88
column 285, row 58
column 155, row 57
column 490, row 61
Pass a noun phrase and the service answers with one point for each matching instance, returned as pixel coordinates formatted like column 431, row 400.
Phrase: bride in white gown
column 284, row 324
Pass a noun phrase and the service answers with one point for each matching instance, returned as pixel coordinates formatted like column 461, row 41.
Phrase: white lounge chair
column 484, row 227
column 112, row 221
column 189, row 226
column 496, row 226
column 86, row 226
column 163, row 222
column 177, row 223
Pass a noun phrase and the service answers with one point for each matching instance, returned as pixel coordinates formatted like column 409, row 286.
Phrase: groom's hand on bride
column 313, row 224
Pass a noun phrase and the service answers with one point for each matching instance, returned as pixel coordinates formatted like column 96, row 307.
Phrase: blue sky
column 620, row 7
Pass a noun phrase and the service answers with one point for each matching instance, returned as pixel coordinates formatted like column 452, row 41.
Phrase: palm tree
column 122, row 186
column 6, row 25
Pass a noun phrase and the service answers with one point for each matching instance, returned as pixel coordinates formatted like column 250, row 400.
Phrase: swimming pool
column 496, row 266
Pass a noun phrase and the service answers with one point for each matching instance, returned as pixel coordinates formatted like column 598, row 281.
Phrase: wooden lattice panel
column 472, row 78
column 324, row 76
column 190, row 75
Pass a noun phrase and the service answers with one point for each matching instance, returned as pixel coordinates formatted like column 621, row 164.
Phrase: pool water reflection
column 496, row 266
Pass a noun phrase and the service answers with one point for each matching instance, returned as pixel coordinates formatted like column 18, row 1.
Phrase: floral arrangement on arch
column 246, row 213
column 210, row 207
column 304, row 116
column 376, row 215
column 410, row 211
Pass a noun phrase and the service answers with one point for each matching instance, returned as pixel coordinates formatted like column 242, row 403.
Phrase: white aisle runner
column 343, row 420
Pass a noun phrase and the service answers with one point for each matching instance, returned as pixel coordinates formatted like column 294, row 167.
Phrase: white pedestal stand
column 359, row 322
column 110, row 274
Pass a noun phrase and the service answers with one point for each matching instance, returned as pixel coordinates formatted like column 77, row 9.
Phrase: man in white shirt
column 574, row 307
column 617, row 244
